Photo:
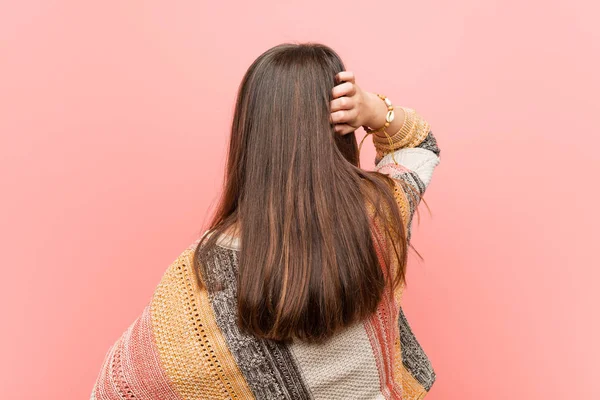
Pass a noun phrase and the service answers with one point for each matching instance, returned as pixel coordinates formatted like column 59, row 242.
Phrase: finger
column 345, row 76
column 344, row 89
column 343, row 129
column 343, row 116
column 339, row 117
column 342, row 103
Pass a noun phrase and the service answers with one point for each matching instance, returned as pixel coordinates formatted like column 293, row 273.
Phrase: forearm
column 376, row 118
column 407, row 129
column 408, row 154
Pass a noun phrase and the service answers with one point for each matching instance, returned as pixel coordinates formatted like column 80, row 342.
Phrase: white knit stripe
column 421, row 161
column 341, row 368
column 229, row 241
column 225, row 240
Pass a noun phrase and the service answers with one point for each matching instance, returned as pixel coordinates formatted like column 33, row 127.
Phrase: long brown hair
column 308, row 263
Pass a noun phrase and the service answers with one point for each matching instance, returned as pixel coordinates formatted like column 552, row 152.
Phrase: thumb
column 343, row 129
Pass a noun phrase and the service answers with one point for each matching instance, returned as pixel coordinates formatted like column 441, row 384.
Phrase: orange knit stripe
column 192, row 349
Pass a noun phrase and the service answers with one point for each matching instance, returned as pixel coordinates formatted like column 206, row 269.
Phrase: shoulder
column 174, row 346
column 175, row 283
column 187, row 334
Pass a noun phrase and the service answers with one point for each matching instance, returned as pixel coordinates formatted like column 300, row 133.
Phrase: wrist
column 377, row 111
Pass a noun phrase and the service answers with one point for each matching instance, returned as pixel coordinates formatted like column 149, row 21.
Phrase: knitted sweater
column 185, row 344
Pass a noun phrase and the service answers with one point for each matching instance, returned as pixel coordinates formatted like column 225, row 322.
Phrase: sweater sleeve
column 410, row 160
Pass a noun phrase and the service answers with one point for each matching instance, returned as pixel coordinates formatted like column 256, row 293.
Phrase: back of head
column 308, row 264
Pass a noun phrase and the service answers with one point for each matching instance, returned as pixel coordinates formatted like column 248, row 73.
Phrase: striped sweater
column 185, row 344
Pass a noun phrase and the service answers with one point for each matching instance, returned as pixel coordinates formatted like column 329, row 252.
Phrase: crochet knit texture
column 185, row 344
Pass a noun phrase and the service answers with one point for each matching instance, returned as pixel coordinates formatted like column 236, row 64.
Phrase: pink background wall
column 114, row 117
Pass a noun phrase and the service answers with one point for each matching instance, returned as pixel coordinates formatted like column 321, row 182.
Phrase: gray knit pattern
column 413, row 357
column 269, row 367
column 430, row 143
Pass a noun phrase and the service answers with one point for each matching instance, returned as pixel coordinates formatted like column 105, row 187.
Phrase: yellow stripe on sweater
column 192, row 349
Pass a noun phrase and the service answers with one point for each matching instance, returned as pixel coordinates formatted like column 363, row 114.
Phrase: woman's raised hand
column 352, row 107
